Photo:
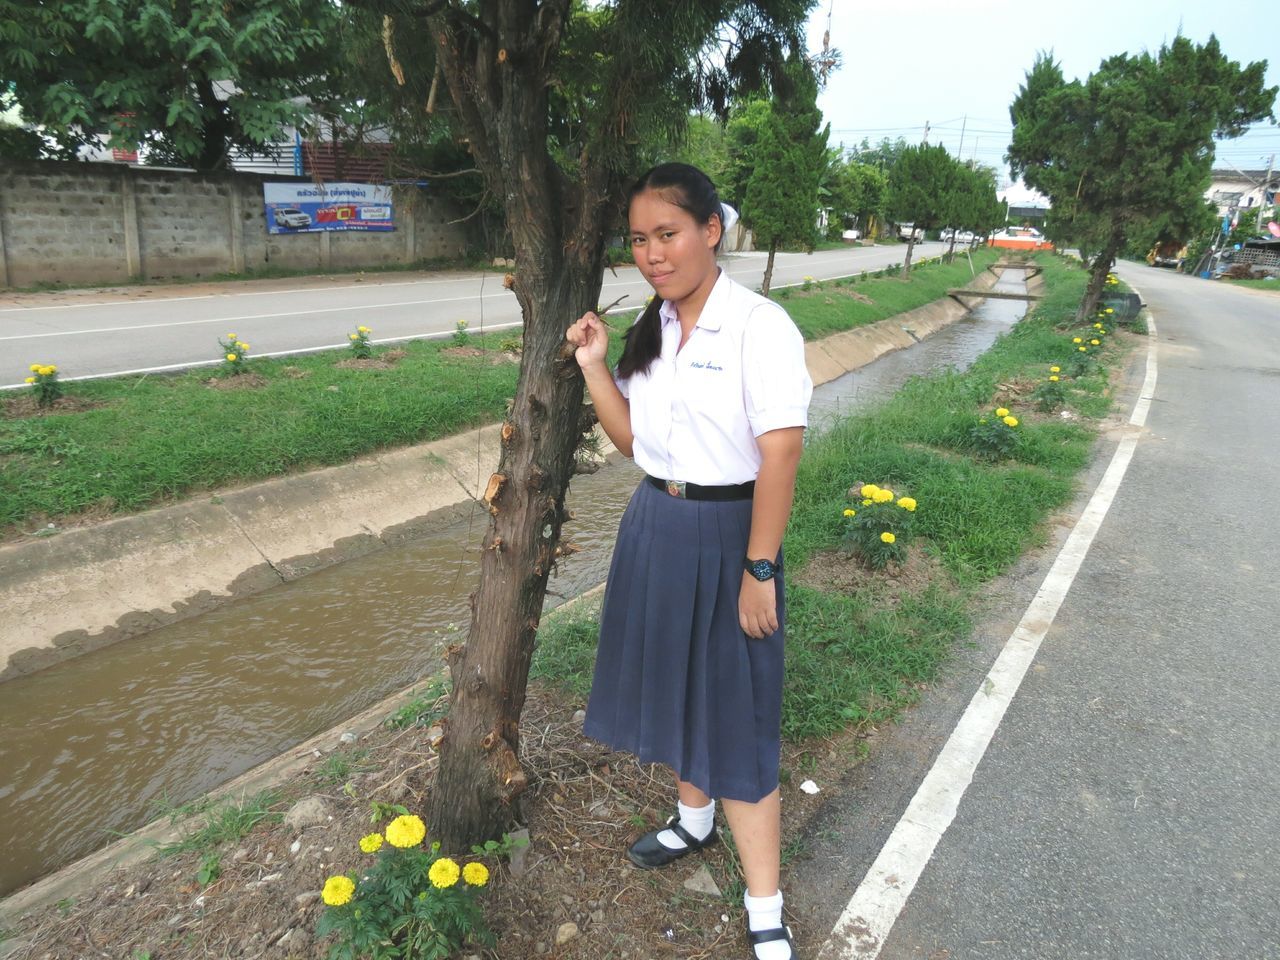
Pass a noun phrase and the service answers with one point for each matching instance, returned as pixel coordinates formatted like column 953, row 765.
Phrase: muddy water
column 95, row 745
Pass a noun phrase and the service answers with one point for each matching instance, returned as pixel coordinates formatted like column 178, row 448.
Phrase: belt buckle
column 676, row 489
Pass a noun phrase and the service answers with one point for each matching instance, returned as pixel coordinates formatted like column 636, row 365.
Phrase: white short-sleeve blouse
column 695, row 413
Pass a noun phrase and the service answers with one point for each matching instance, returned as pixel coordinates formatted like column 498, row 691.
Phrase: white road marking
column 355, row 308
column 868, row 918
column 168, row 368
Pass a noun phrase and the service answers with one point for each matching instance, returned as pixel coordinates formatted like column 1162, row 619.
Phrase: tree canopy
column 192, row 80
column 780, row 204
column 920, row 185
column 1131, row 147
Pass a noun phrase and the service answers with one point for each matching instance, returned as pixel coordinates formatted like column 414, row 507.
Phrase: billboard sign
column 312, row 207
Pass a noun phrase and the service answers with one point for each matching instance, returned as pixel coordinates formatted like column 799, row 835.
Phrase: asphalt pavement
column 1126, row 806
column 152, row 328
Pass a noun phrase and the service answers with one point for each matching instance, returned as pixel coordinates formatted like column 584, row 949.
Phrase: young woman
column 711, row 399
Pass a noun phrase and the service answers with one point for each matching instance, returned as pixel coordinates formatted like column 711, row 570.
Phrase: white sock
column 765, row 913
column 697, row 820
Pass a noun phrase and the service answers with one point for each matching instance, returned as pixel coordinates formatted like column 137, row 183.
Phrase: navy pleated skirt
column 676, row 679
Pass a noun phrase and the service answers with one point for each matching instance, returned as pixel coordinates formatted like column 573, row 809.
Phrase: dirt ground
column 584, row 805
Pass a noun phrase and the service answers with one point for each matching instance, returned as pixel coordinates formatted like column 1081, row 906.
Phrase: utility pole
column 926, row 133
column 1266, row 184
column 963, row 123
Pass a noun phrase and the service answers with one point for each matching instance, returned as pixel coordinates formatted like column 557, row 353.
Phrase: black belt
column 696, row 491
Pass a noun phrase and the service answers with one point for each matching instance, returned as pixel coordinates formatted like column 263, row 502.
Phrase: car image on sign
column 291, row 217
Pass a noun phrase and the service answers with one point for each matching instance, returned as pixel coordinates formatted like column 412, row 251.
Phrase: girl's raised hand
column 590, row 335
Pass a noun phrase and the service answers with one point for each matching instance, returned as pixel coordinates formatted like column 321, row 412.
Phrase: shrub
column 234, row 354
column 360, row 346
column 44, row 383
column 878, row 529
column 996, row 437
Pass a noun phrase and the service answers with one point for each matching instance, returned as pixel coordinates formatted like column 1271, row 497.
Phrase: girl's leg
column 757, row 829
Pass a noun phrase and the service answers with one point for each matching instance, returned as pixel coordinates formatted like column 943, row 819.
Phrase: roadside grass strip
column 823, row 307
column 135, row 442
column 858, row 657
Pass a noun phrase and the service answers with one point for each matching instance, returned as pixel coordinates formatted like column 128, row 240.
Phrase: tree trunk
column 951, row 251
column 768, row 268
column 557, row 230
column 906, row 264
column 1098, row 271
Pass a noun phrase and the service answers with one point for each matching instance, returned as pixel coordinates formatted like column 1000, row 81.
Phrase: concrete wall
column 90, row 223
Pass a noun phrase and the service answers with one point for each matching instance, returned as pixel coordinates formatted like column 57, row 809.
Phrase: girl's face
column 676, row 254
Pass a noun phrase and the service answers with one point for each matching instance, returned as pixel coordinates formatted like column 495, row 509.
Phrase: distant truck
column 1168, row 255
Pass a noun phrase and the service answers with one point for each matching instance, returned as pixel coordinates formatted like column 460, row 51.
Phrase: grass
column 827, row 306
column 156, row 439
column 225, row 823
column 858, row 658
column 1271, row 286
column 159, row 438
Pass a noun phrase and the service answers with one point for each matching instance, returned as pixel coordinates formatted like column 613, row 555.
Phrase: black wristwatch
column 762, row 570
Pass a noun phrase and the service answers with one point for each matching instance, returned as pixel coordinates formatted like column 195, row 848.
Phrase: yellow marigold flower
column 1097, row 326
column 231, row 356
column 444, row 873
column 887, row 537
column 907, row 503
column 53, row 368
column 866, row 503
column 353, row 336
column 243, row 346
column 883, row 496
column 1053, row 378
column 1077, row 339
column 869, row 489
column 1095, row 342
column 851, row 513
column 406, row 831
column 231, row 337
column 1083, row 349
column 476, row 874
column 1002, row 412
column 363, row 329
column 1055, row 369
column 33, row 380
column 1109, row 310
column 34, row 368
column 338, row 890
column 1011, row 421
column 371, row 843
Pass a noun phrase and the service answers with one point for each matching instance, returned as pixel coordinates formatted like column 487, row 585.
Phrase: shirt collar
column 712, row 311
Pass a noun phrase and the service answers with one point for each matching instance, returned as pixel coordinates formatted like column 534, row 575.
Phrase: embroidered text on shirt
column 699, row 365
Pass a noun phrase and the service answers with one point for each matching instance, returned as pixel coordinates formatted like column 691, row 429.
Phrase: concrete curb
column 90, row 587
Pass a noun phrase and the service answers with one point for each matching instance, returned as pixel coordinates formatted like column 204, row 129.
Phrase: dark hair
column 691, row 190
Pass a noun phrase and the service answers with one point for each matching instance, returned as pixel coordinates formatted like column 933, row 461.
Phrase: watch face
column 761, row 569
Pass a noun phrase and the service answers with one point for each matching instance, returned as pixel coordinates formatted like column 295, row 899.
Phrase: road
column 133, row 329
column 1126, row 806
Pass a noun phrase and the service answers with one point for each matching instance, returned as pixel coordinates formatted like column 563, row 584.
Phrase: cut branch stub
column 494, row 490
column 508, row 431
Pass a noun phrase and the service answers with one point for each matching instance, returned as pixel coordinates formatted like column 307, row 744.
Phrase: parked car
column 909, row 231
column 291, row 217
column 964, row 236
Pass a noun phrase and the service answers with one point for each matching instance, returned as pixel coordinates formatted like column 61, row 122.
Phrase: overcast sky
column 906, row 63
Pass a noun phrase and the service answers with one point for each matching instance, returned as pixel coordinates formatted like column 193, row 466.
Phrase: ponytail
column 643, row 342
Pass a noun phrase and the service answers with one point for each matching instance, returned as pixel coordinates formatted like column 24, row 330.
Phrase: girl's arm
column 590, row 335
column 775, row 487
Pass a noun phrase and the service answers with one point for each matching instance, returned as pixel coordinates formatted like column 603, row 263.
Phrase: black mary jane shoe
column 757, row 937
column 649, row 852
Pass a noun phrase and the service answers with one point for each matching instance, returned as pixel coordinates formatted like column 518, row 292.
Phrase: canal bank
column 868, row 387
column 90, row 587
